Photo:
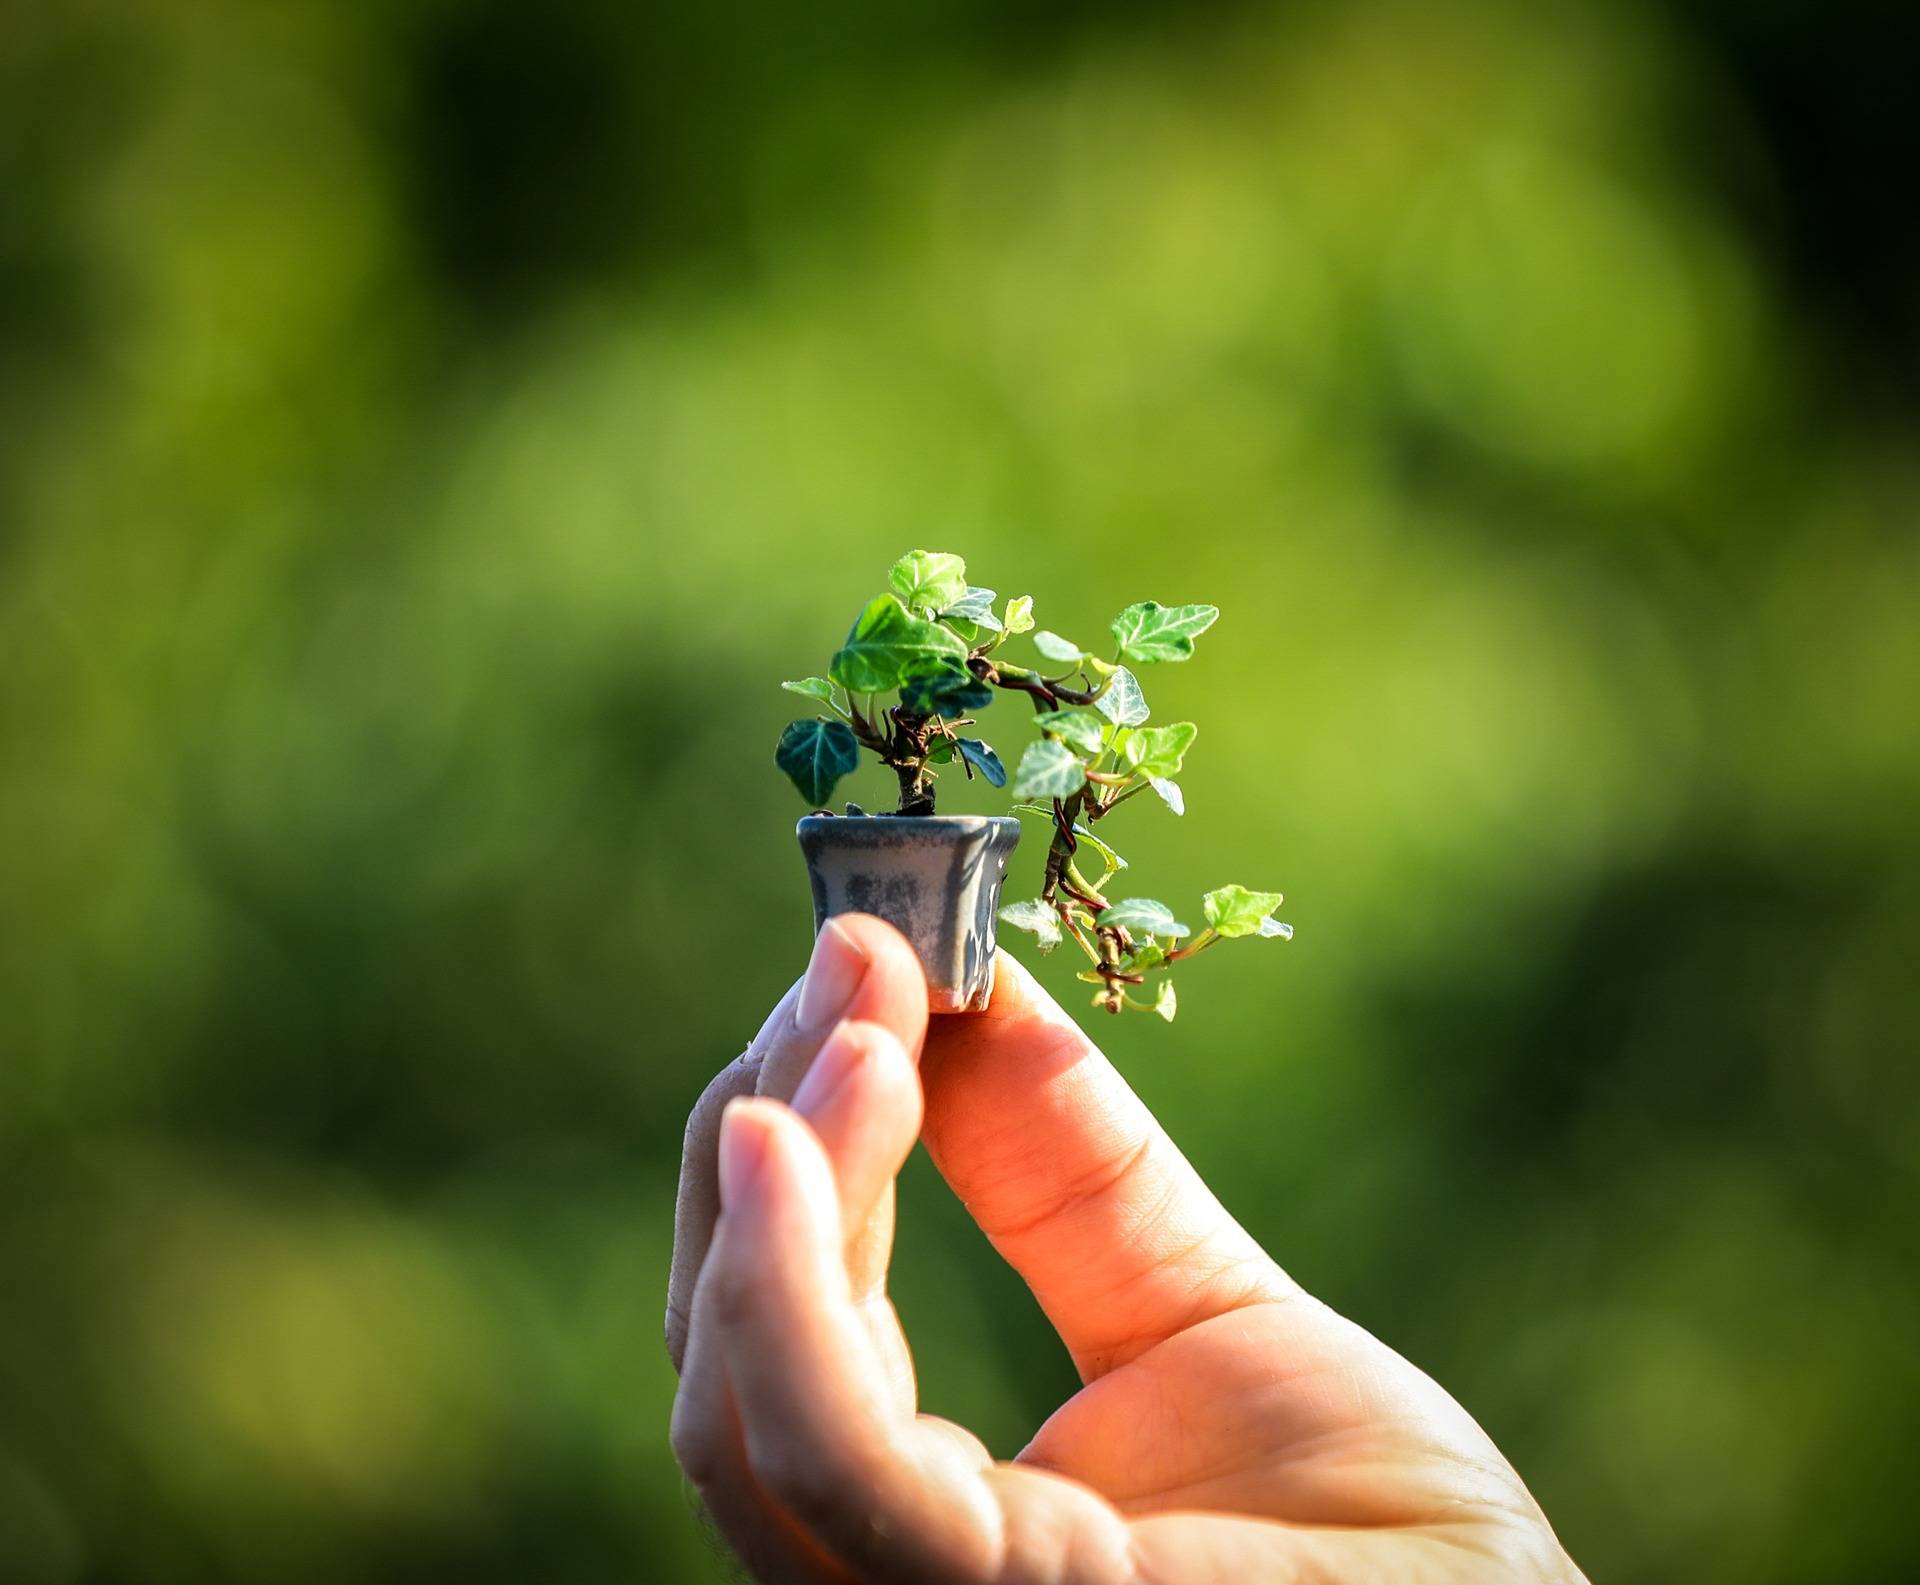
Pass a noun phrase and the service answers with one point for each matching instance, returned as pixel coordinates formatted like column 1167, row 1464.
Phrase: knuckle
column 803, row 1481
column 696, row 1449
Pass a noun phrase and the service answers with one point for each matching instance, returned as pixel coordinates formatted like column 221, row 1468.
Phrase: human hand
column 1230, row 1427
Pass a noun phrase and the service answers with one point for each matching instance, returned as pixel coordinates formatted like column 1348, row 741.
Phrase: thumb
column 1076, row 1183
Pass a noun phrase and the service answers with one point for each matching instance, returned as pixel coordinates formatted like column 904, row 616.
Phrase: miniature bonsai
column 919, row 665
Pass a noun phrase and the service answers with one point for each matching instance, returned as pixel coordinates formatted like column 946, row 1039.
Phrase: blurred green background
column 429, row 430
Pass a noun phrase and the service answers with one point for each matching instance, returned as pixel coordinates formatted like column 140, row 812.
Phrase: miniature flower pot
column 934, row 878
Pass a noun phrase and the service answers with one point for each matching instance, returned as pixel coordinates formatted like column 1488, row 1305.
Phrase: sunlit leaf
column 885, row 645
column 1019, row 617
column 1276, row 928
column 974, row 607
column 815, row 755
column 1081, row 730
column 1170, row 793
column 1158, row 750
column 1054, row 647
column 929, row 580
column 1235, row 911
column 1150, row 631
column 1036, row 916
column 1123, row 702
column 1165, row 1002
column 1143, row 916
column 812, row 687
column 1049, row 770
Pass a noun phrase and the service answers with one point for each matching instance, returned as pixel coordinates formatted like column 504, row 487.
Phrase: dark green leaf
column 1150, row 631
column 1048, row 770
column 943, row 686
column 984, row 760
column 1123, row 702
column 928, row 580
column 816, row 754
column 1235, row 911
column 1037, row 917
column 886, row 643
column 1144, row 916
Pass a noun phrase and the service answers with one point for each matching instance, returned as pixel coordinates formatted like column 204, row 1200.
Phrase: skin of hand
column 1230, row 1427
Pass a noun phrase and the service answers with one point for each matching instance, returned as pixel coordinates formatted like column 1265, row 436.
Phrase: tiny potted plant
column 919, row 665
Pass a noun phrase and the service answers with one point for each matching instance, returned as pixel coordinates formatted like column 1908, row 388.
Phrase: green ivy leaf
column 813, row 687
column 1144, row 916
column 943, row 686
column 1235, row 911
column 975, row 607
column 928, row 580
column 984, row 760
column 1165, row 1002
column 1048, row 770
column 885, row 645
column 1150, row 631
column 1170, row 793
column 1123, row 703
column 1037, row 917
column 1019, row 618
column 1045, row 811
column 816, row 754
column 1158, row 750
column 1146, row 956
column 1276, row 927
column 1054, row 647
column 1080, row 729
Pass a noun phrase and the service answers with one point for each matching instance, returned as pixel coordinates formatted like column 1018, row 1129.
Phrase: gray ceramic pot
column 935, row 878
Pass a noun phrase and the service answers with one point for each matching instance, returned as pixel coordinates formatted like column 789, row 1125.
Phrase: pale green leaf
column 929, row 580
column 1054, row 647
column 1048, row 770
column 1235, row 911
column 886, row 645
column 1165, row 1002
column 1143, row 916
column 1079, row 729
column 974, row 607
column 1019, row 617
column 1170, row 793
column 815, row 755
column 1113, row 860
column 1276, row 928
column 812, row 687
column 1036, row 916
column 1150, row 631
column 1123, row 702
column 1158, row 750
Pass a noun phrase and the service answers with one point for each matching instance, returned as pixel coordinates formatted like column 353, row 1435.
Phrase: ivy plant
column 918, row 666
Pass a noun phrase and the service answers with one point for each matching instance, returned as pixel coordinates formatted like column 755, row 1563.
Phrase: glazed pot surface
column 935, row 878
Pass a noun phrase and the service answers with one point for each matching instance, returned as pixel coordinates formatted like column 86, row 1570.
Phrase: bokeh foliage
column 429, row 431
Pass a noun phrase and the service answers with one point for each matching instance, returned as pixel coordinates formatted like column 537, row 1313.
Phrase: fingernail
column 743, row 1148
column 846, row 1048
column 833, row 975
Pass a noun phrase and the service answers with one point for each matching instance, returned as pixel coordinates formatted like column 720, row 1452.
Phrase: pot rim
column 908, row 822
